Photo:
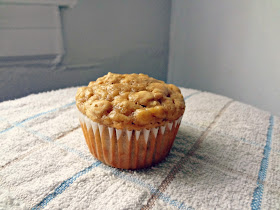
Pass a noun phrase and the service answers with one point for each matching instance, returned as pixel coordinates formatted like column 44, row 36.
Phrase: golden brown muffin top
column 130, row 101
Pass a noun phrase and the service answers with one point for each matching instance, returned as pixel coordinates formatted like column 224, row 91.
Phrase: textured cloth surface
column 226, row 156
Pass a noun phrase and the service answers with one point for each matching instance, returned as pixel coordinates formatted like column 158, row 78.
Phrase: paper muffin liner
column 128, row 149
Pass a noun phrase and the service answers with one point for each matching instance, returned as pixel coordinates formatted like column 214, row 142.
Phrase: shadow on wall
column 19, row 81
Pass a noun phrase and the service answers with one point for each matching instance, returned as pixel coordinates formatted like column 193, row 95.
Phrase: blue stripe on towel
column 164, row 197
column 35, row 116
column 64, row 185
column 188, row 96
column 258, row 192
column 64, row 106
column 63, row 146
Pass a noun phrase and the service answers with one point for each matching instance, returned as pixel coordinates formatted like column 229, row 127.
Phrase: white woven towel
column 225, row 156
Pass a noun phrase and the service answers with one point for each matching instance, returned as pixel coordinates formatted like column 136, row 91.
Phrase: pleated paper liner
column 128, row 149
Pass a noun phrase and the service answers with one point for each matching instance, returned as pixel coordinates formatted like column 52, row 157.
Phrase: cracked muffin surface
column 130, row 101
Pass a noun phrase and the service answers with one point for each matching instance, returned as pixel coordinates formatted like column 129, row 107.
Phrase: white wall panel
column 28, row 42
column 28, row 16
column 42, row 2
column 30, row 30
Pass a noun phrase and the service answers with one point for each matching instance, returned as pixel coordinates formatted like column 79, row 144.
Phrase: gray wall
column 121, row 36
column 228, row 47
column 132, row 33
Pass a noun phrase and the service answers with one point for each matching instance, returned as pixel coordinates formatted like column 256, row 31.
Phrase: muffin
column 129, row 120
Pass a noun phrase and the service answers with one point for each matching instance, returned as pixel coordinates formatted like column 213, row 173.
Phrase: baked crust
column 130, row 101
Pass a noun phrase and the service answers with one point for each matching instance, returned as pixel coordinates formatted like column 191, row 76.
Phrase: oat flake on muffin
column 130, row 101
